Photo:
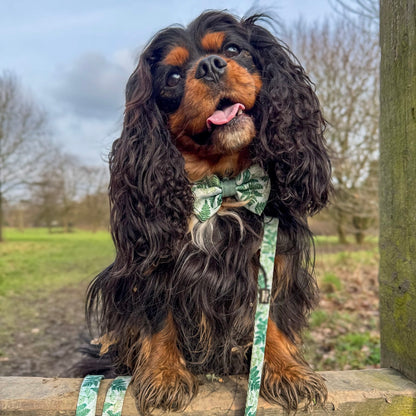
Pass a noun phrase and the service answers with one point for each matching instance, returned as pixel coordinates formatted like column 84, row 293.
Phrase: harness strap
column 114, row 399
column 265, row 280
column 87, row 399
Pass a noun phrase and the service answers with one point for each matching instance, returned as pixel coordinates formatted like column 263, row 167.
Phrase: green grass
column 344, row 329
column 34, row 264
column 34, row 259
column 332, row 240
column 331, row 283
column 357, row 350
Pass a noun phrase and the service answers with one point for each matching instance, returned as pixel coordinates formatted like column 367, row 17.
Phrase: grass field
column 35, row 259
column 344, row 329
column 43, row 277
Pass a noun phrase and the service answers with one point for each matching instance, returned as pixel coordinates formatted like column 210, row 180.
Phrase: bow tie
column 251, row 186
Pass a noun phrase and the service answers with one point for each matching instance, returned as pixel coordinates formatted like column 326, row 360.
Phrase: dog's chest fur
column 213, row 292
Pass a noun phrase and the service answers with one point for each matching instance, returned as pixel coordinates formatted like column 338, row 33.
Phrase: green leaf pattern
column 87, row 399
column 252, row 185
column 114, row 399
column 113, row 404
column 268, row 249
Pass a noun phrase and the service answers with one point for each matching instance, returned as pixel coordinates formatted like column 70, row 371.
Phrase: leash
column 265, row 280
column 252, row 186
column 113, row 404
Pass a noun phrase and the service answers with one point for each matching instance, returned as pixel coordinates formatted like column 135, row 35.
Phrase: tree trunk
column 397, row 185
column 359, row 237
column 342, row 236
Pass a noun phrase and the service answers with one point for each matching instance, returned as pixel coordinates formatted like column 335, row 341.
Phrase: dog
column 214, row 98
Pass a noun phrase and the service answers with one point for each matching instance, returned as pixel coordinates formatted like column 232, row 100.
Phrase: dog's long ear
column 290, row 128
column 150, row 194
column 291, row 146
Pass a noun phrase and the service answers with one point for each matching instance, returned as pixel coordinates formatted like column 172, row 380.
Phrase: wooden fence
column 361, row 392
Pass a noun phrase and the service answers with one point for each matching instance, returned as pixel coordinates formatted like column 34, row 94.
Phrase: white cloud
column 93, row 86
column 87, row 98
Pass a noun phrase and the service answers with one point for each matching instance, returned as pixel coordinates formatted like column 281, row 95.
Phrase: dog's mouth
column 227, row 124
column 226, row 112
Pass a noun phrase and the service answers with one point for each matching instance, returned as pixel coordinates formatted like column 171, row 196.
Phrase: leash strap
column 114, row 399
column 87, row 399
column 265, row 280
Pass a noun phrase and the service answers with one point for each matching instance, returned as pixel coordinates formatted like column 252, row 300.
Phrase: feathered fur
column 179, row 296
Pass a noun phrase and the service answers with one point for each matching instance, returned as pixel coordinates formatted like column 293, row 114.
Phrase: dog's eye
column 232, row 50
column 173, row 79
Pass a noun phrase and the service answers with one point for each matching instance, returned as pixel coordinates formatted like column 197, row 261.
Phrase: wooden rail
column 364, row 392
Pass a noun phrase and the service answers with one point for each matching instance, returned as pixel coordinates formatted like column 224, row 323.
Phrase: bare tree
column 58, row 190
column 45, row 201
column 363, row 9
column 45, row 192
column 22, row 138
column 343, row 62
column 72, row 176
column 93, row 209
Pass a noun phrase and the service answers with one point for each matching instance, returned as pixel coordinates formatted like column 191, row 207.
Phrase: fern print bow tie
column 251, row 186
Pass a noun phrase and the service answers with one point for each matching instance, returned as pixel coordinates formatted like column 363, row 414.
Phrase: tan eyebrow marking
column 177, row 56
column 212, row 42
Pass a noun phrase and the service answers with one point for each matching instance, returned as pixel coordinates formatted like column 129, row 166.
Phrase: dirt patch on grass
column 41, row 334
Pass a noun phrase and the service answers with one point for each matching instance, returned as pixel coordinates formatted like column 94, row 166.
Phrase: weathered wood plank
column 398, row 185
column 365, row 392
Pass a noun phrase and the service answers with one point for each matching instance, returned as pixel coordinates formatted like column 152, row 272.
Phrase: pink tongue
column 225, row 115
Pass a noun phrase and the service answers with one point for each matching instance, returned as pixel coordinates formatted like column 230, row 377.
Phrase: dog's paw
column 166, row 389
column 292, row 386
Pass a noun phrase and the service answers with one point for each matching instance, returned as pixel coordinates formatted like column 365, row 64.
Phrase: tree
column 93, row 209
column 58, row 190
column 68, row 193
column 45, row 193
column 369, row 10
column 71, row 175
column 343, row 61
column 22, row 138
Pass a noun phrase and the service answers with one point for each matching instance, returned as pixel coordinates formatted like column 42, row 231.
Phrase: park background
column 61, row 103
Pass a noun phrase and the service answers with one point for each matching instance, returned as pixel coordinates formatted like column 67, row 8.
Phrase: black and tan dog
column 213, row 98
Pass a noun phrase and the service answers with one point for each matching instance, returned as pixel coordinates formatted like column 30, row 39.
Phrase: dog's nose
column 211, row 68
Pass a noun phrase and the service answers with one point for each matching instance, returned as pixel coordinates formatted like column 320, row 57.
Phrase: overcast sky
column 75, row 56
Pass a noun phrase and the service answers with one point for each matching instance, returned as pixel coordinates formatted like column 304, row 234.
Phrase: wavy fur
column 197, row 282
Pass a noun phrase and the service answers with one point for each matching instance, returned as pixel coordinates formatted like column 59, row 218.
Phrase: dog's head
column 213, row 98
column 207, row 83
